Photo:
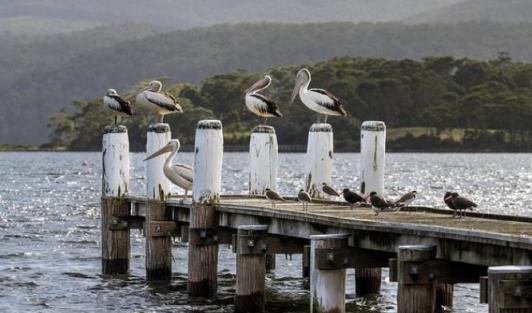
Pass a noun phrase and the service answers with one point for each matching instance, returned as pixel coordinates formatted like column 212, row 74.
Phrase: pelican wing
column 328, row 100
column 124, row 105
column 185, row 171
column 266, row 105
column 163, row 100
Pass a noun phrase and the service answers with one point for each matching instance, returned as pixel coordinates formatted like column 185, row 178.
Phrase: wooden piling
column 158, row 225
column 203, row 239
column 263, row 160
column 327, row 287
column 270, row 262
column 372, row 157
column 415, row 294
column 305, row 262
column 318, row 160
column 367, row 280
column 510, row 289
column 114, row 207
column 444, row 296
column 250, row 270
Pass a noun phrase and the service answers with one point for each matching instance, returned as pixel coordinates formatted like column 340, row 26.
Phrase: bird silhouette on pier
column 352, row 197
column 273, row 196
column 458, row 203
column 304, row 198
column 406, row 199
column 329, row 190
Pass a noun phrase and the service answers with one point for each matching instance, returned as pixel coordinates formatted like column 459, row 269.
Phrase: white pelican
column 156, row 101
column 259, row 104
column 116, row 103
column 179, row 174
column 318, row 100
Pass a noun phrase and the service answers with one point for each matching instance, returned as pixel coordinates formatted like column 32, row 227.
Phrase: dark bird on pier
column 378, row 203
column 119, row 105
column 273, row 196
column 329, row 190
column 261, row 105
column 318, row 100
column 448, row 199
column 461, row 204
column 406, row 199
column 352, row 197
column 304, row 198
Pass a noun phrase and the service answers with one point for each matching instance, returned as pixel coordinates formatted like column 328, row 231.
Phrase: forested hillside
column 489, row 103
column 46, row 75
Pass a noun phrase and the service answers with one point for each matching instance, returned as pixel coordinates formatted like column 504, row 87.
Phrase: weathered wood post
column 250, row 269
column 372, row 150
column 203, row 238
column 263, row 160
column 305, row 262
column 115, row 182
column 444, row 295
column 158, row 227
column 270, row 262
column 510, row 289
column 319, row 158
column 327, row 287
column 415, row 295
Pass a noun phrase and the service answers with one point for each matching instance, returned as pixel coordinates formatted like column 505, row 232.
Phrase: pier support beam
column 250, row 269
column 327, row 287
column 415, row 295
column 115, row 182
column 319, row 159
column 203, row 238
column 263, row 160
column 158, row 228
column 510, row 289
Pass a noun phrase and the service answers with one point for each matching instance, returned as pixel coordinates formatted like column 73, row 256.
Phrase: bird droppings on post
column 263, row 160
column 318, row 160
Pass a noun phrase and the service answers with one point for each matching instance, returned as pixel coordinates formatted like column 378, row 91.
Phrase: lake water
column 49, row 230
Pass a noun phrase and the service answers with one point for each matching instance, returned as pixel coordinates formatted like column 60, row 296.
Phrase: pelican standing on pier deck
column 318, row 100
column 113, row 101
column 153, row 99
column 179, row 174
column 259, row 104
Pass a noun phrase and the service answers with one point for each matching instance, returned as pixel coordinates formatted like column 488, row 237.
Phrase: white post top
column 321, row 128
column 114, row 129
column 510, row 269
column 329, row 236
column 159, row 128
column 263, row 129
column 373, row 126
column 210, row 124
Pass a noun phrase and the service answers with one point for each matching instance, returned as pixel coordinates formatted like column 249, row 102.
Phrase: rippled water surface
column 49, row 230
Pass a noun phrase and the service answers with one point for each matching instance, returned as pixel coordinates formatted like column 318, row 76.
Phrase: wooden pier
column 427, row 250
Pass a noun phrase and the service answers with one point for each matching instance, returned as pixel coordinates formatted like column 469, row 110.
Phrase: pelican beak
column 163, row 150
column 256, row 85
column 299, row 83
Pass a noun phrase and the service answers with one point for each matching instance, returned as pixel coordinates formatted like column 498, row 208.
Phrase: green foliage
column 489, row 99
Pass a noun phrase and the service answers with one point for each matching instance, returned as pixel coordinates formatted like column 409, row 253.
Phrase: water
column 49, row 230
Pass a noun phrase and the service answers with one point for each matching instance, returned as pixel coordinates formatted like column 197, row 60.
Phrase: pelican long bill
column 297, row 86
column 258, row 84
column 163, row 150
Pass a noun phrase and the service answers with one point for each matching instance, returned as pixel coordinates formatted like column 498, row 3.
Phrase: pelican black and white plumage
column 459, row 203
column 304, row 198
column 407, row 198
column 329, row 190
column 157, row 101
column 273, row 196
column 179, row 174
column 318, row 100
column 261, row 105
column 352, row 197
column 122, row 107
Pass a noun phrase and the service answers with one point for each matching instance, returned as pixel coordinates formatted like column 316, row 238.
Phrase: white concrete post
column 115, row 153
column 208, row 155
column 156, row 182
column 263, row 160
column 319, row 158
column 327, row 287
column 372, row 151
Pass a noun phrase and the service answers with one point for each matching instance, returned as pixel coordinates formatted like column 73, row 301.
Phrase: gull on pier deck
column 318, row 100
column 261, row 105
column 113, row 101
column 157, row 101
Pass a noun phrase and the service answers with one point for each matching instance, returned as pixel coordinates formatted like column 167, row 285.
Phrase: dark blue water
column 49, row 230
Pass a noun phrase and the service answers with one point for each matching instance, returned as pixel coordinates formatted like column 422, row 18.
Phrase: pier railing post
column 203, row 238
column 158, row 225
column 115, row 182
column 250, row 269
column 327, row 287
column 415, row 294
column 319, row 159
column 263, row 160
column 510, row 289
column 372, row 156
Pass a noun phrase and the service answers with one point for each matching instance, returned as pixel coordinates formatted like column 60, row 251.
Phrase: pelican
column 261, row 105
column 116, row 103
column 318, row 100
column 153, row 99
column 179, row 174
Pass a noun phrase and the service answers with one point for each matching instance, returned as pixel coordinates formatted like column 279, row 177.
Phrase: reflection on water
column 49, row 230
